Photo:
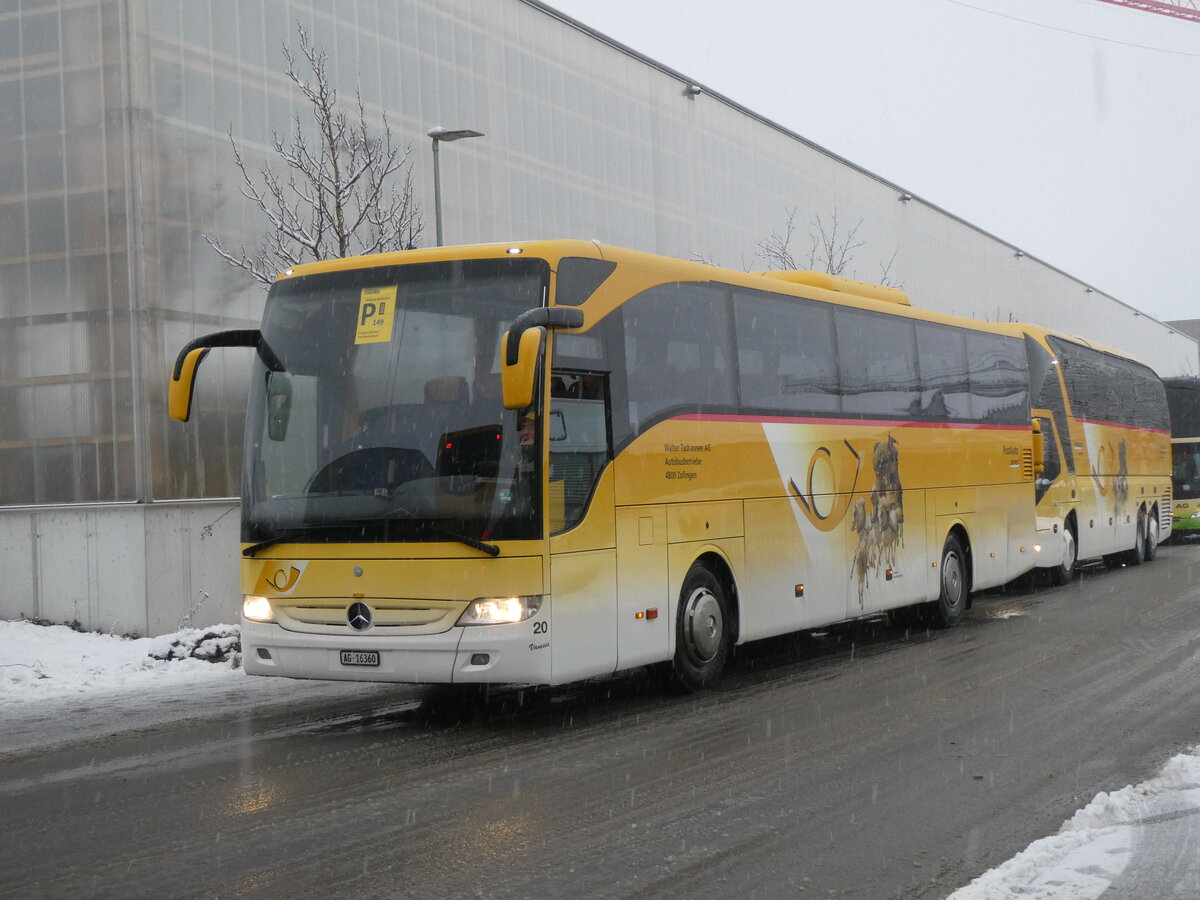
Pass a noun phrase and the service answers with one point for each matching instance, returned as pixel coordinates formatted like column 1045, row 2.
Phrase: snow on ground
column 57, row 684
column 1103, row 843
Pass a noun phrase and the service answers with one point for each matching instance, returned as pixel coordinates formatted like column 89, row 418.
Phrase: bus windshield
column 1185, row 470
column 376, row 411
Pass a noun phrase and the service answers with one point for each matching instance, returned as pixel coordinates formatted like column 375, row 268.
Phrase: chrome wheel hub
column 952, row 579
column 703, row 625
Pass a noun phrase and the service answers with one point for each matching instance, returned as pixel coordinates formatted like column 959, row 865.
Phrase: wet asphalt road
column 870, row 761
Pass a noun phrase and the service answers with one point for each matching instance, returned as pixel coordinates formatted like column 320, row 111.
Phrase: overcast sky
column 1069, row 128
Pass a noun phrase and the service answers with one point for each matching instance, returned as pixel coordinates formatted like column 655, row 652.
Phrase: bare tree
column 885, row 273
column 336, row 197
column 829, row 250
column 776, row 250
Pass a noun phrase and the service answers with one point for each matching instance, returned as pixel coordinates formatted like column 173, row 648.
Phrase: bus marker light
column 889, row 574
column 799, row 590
column 639, row 615
column 1037, row 548
column 652, row 613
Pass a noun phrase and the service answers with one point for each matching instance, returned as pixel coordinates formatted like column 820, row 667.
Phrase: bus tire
column 1152, row 541
column 954, row 584
column 1137, row 555
column 1064, row 572
column 703, row 630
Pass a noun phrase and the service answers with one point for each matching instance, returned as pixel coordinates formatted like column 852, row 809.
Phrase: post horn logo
column 281, row 580
column 840, row 468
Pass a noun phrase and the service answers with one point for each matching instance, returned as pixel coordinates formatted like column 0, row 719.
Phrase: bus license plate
column 360, row 657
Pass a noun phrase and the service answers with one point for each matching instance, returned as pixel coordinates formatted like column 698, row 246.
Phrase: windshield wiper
column 290, row 533
column 483, row 546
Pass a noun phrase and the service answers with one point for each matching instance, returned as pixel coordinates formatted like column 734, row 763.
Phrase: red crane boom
column 1189, row 12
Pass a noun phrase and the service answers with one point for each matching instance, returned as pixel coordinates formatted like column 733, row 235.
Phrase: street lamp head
column 452, row 134
column 439, row 133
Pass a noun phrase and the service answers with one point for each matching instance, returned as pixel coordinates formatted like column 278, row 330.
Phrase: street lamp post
column 443, row 134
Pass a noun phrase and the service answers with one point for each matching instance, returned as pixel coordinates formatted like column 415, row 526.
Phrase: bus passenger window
column 785, row 353
column 688, row 371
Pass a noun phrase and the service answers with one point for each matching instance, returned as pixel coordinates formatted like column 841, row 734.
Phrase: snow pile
column 219, row 644
column 1095, row 846
column 49, row 662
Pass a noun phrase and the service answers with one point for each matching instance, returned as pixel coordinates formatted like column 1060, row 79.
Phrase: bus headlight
column 257, row 609
column 500, row 610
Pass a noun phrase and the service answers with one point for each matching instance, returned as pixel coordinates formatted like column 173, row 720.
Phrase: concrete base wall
column 145, row 569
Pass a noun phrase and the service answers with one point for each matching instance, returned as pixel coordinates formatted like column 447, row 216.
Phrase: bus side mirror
column 522, row 345
column 183, row 375
column 517, row 378
column 279, row 404
column 183, row 382
column 1039, row 448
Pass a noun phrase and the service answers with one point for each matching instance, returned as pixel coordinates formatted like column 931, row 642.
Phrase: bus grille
column 1027, row 464
column 389, row 616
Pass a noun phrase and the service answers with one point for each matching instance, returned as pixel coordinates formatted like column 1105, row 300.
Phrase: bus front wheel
column 702, row 632
column 1064, row 572
column 955, row 584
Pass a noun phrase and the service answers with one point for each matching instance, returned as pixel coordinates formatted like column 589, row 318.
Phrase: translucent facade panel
column 65, row 330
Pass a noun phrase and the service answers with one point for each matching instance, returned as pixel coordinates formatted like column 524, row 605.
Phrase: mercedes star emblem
column 359, row 616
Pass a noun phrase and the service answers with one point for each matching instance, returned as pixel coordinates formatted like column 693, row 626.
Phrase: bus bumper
column 1185, row 516
column 1053, row 548
column 494, row 654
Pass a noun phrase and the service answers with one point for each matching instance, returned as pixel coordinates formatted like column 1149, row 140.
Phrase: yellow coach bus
column 541, row 462
column 1104, row 485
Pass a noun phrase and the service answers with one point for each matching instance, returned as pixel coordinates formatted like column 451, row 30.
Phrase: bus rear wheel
column 702, row 631
column 1152, row 535
column 955, row 584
